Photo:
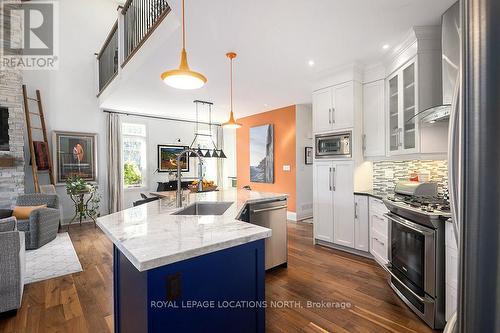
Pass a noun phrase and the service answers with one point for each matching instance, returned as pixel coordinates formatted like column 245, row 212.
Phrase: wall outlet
column 286, row 167
column 389, row 173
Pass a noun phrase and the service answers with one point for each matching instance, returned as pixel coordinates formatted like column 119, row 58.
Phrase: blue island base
column 221, row 291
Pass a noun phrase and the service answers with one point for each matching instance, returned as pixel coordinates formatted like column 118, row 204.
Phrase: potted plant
column 77, row 188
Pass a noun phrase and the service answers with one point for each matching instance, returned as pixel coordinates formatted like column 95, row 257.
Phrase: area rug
column 54, row 259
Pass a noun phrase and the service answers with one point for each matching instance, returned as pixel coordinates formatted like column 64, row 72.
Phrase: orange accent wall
column 283, row 121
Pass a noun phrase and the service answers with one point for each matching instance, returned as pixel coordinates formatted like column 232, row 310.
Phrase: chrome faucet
column 179, row 174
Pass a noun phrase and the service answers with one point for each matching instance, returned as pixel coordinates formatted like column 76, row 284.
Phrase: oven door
column 413, row 254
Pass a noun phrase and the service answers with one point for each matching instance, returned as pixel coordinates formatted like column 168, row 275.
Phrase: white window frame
column 144, row 170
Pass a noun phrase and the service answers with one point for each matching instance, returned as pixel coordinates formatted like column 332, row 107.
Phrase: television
column 4, row 129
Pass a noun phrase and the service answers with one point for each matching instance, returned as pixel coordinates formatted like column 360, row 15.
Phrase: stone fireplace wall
column 12, row 178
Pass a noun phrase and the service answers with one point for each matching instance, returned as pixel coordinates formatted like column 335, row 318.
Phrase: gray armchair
column 43, row 223
column 12, row 265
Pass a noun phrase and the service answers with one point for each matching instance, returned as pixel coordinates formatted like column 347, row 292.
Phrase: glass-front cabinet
column 394, row 114
column 402, row 108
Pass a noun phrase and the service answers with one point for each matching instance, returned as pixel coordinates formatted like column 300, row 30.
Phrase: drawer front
column 451, row 267
column 380, row 224
column 451, row 301
column 378, row 206
column 450, row 236
column 379, row 246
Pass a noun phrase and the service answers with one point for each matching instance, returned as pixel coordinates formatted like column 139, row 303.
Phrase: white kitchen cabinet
column 323, row 202
column 451, row 254
column 361, row 223
column 334, row 202
column 374, row 119
column 322, row 110
column 343, row 203
column 379, row 231
column 403, row 125
column 333, row 108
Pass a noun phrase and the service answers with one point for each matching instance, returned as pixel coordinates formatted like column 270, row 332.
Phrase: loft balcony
column 136, row 22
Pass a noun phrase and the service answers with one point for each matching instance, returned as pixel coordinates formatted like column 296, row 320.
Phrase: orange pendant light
column 184, row 77
column 231, row 123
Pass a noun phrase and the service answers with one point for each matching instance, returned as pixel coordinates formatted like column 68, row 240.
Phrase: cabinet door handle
column 330, row 179
column 333, row 115
column 364, row 142
column 400, row 130
column 355, row 210
column 329, row 115
column 333, row 178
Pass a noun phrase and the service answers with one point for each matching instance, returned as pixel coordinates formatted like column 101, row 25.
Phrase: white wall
column 68, row 94
column 304, row 180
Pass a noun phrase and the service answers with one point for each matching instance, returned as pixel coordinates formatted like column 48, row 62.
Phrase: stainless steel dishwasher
column 272, row 215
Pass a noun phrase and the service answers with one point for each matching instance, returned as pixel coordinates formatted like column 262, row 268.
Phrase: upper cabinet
column 413, row 84
column 403, row 126
column 374, row 119
column 333, row 108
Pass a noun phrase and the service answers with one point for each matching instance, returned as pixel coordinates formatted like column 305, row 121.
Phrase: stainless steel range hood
column 450, row 35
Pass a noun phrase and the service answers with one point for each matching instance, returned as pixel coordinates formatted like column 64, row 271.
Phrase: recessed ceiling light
column 266, row 105
column 310, row 62
column 385, row 47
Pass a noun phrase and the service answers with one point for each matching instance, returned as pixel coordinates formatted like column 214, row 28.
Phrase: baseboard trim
column 304, row 216
column 343, row 248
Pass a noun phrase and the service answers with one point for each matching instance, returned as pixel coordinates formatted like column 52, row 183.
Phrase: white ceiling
column 274, row 41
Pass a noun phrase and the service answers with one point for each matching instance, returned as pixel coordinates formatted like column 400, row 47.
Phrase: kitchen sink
column 204, row 208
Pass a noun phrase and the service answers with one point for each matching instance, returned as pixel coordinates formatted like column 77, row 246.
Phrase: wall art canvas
column 75, row 154
column 262, row 154
column 167, row 158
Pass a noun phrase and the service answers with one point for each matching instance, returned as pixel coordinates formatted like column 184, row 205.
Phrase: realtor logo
column 30, row 34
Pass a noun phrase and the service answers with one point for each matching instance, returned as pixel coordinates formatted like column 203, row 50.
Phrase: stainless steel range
column 416, row 256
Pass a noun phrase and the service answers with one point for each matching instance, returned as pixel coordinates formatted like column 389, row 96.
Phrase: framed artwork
column 75, row 154
column 262, row 154
column 308, row 155
column 167, row 158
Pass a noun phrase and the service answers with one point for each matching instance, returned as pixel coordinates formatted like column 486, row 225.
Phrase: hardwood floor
column 82, row 302
column 316, row 274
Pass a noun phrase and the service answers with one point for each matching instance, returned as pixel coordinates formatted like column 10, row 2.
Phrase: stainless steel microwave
column 333, row 145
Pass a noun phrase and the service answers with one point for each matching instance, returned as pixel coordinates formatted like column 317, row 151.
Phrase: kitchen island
column 184, row 273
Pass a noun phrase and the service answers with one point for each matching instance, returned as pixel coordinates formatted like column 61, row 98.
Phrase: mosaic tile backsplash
column 401, row 171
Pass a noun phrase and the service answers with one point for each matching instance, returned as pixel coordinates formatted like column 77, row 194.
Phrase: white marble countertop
column 150, row 236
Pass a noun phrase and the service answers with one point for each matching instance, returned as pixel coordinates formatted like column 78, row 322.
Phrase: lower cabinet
column 334, row 202
column 451, row 253
column 361, row 224
column 379, row 231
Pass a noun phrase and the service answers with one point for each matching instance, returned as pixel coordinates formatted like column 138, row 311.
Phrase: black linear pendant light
column 215, row 152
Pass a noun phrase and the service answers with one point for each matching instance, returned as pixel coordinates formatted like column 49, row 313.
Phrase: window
column 134, row 154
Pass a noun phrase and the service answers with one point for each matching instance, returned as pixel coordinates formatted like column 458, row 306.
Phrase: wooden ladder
column 28, row 113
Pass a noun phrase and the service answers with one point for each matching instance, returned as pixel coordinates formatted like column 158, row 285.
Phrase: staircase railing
column 107, row 59
column 141, row 17
column 137, row 20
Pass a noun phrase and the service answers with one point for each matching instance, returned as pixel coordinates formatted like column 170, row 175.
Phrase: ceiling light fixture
column 231, row 123
column 198, row 144
column 385, row 47
column 310, row 63
column 184, row 77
